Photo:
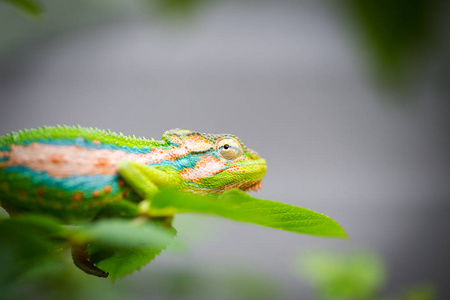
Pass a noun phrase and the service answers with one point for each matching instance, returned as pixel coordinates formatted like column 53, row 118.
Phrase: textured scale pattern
column 73, row 171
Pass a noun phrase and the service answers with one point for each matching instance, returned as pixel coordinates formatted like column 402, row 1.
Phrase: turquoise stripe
column 179, row 164
column 73, row 183
column 184, row 162
column 89, row 145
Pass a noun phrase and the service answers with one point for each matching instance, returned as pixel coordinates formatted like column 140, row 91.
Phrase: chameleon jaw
column 254, row 187
column 246, row 186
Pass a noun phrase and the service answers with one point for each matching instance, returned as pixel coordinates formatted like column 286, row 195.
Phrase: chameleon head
column 216, row 162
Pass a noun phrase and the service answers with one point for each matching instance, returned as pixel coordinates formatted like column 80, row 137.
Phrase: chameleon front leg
column 146, row 180
column 133, row 174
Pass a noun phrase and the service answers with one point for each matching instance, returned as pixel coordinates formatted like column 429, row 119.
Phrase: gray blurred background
column 356, row 136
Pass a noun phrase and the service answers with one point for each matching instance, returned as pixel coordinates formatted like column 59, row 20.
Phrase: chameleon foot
column 81, row 259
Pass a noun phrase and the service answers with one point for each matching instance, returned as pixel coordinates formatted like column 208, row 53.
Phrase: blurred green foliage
column 26, row 242
column 35, row 264
column 421, row 292
column 398, row 34
column 61, row 280
column 357, row 276
column 29, row 241
column 21, row 31
column 28, row 6
column 34, row 260
column 35, row 8
column 121, row 246
column 178, row 7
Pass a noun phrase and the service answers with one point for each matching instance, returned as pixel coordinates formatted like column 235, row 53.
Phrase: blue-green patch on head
column 223, row 161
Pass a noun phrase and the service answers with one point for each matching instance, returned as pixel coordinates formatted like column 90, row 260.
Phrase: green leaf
column 239, row 206
column 28, row 6
column 396, row 33
column 120, row 247
column 26, row 241
column 119, row 262
column 31, row 235
column 126, row 233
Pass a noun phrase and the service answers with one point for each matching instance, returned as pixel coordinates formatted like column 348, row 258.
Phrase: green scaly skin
column 76, row 173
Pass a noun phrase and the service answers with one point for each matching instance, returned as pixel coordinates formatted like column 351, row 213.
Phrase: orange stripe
column 65, row 161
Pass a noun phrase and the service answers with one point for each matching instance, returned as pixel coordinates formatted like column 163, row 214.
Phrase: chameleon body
column 76, row 172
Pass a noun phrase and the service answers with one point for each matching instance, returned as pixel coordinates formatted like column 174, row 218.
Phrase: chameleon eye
column 229, row 148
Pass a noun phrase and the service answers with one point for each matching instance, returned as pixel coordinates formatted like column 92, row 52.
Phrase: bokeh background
column 347, row 102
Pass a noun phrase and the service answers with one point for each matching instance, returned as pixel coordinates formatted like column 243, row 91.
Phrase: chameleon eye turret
column 229, row 148
column 214, row 163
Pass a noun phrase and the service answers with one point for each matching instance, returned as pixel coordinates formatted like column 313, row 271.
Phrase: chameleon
column 77, row 173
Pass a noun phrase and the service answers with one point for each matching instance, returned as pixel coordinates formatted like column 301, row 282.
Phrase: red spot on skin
column 95, row 194
column 91, row 205
column 121, row 183
column 40, row 191
column 78, row 196
column 102, row 162
column 124, row 194
column 107, row 189
column 56, row 158
column 22, row 194
column 96, row 142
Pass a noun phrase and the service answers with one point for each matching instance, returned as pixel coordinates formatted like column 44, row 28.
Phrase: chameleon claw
column 81, row 259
